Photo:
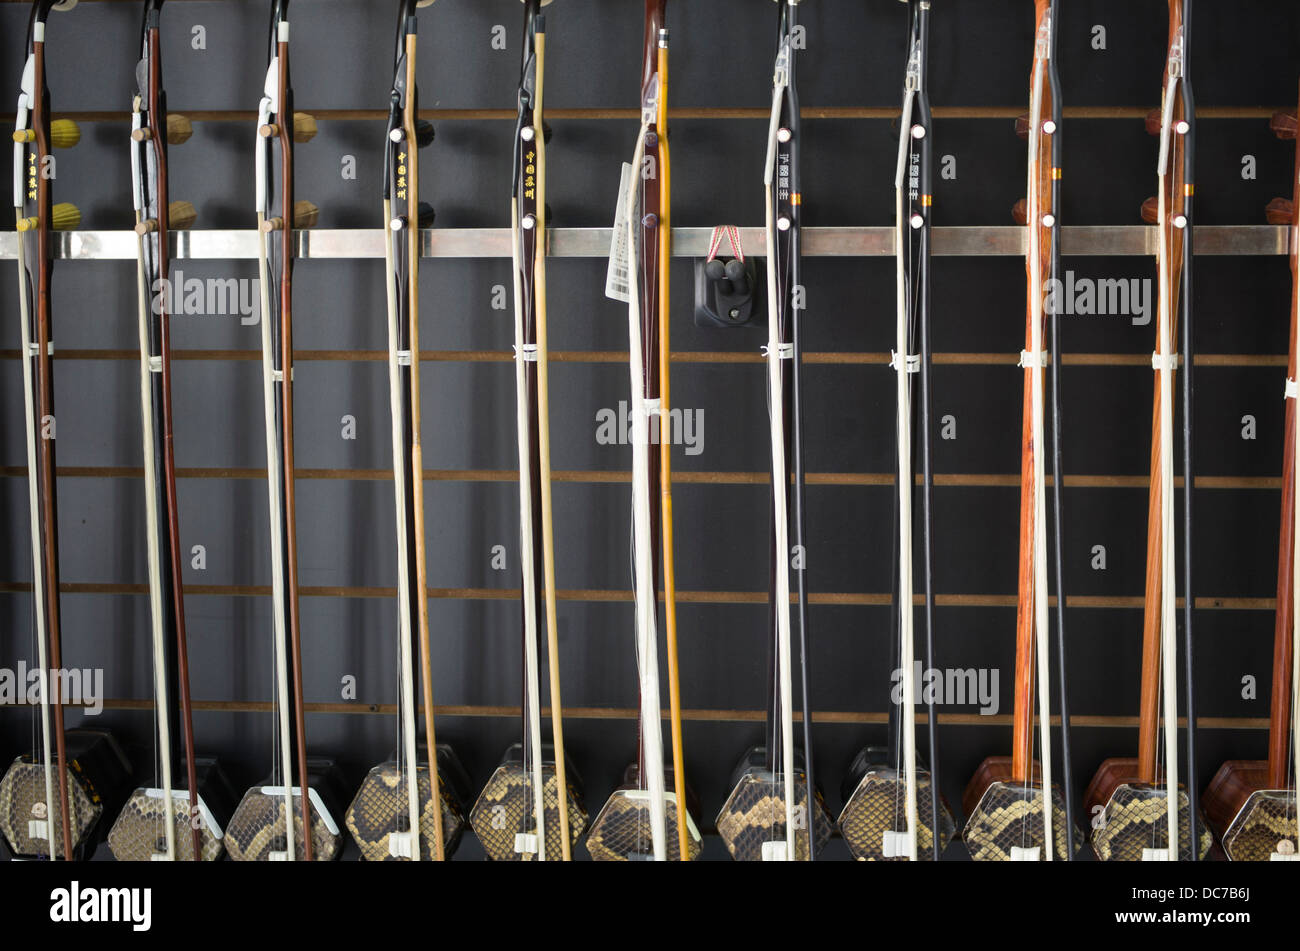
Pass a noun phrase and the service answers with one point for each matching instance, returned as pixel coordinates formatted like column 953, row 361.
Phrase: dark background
column 1244, row 62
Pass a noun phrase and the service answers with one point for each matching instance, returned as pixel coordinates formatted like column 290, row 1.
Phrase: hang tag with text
column 620, row 268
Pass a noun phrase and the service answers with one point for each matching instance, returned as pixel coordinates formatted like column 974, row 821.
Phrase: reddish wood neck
column 1280, row 706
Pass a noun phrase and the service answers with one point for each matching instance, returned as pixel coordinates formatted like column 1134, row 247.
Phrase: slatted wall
column 850, row 81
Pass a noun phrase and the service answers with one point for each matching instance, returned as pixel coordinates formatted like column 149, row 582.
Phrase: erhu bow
column 151, row 827
column 51, row 799
column 271, row 823
column 1012, row 802
column 1252, row 804
column 642, row 819
column 891, row 811
column 768, row 814
column 1130, row 797
column 531, row 808
column 409, row 807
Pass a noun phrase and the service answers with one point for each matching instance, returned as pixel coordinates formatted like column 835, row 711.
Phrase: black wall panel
column 721, row 61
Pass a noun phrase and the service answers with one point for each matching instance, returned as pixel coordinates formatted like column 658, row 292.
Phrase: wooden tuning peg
column 424, row 134
column 66, row 216
column 181, row 215
column 305, row 214
column 64, row 133
column 1283, row 124
column 1154, row 121
column 179, row 129
column 1151, row 211
column 304, row 127
column 1022, row 126
column 1280, row 211
column 1020, row 212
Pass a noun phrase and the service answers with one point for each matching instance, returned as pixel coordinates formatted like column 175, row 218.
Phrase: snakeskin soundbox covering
column 98, row 777
column 505, row 810
column 621, row 833
column 1134, row 820
column 1010, row 817
column 1265, row 827
column 256, row 832
column 754, row 814
column 140, row 833
column 380, row 809
column 879, row 805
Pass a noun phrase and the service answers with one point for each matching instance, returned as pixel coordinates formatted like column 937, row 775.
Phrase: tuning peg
column 181, row 215
column 66, row 216
column 424, row 133
column 1020, row 212
column 1022, row 126
column 179, row 129
column 1280, row 211
column 426, row 215
column 1151, row 211
column 304, row 127
column 305, row 214
column 1283, row 124
column 64, row 133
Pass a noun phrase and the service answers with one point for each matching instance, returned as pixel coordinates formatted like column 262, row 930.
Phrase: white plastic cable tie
column 1028, row 360
column 155, row 364
column 653, row 407
column 784, row 351
column 403, row 358
column 913, row 361
column 1161, row 361
column 527, row 353
column 1290, row 391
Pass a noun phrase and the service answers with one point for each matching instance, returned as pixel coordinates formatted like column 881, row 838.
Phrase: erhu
column 261, row 828
column 767, row 815
column 1251, row 804
column 53, row 798
column 406, row 810
column 1015, row 811
column 642, row 819
column 531, row 808
column 891, row 811
column 1128, row 800
column 169, row 821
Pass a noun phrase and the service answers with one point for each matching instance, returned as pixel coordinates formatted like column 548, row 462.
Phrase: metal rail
column 1082, row 240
